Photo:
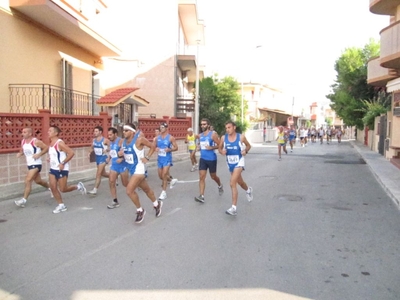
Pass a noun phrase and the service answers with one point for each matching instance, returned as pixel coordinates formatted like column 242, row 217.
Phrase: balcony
column 184, row 105
column 29, row 98
column 68, row 21
column 390, row 46
column 383, row 7
column 379, row 76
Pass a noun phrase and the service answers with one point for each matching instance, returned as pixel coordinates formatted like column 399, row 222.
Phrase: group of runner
column 127, row 159
column 289, row 135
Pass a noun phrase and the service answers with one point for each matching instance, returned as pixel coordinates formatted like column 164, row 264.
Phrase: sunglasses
column 162, row 127
column 126, row 130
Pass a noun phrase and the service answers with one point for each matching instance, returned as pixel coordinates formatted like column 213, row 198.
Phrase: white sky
column 301, row 40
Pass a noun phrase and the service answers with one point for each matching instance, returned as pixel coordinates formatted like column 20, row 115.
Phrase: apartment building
column 384, row 71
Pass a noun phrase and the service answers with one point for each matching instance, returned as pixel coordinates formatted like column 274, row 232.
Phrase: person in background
column 191, row 142
column 282, row 139
column 100, row 147
column 117, row 167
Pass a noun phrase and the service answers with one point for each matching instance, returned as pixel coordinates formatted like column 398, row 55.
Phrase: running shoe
column 279, row 158
column 20, row 203
column 81, row 188
column 140, row 216
column 92, row 192
column 158, row 208
column 193, row 169
column 113, row 205
column 250, row 194
column 163, row 196
column 231, row 211
column 199, row 199
column 60, row 208
column 172, row 183
column 51, row 193
column 221, row 190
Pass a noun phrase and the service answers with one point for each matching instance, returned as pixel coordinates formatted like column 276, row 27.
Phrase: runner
column 321, row 134
column 292, row 137
column 99, row 145
column 209, row 141
column 282, row 139
column 60, row 155
column 191, row 141
column 135, row 159
column 235, row 146
column 164, row 144
column 33, row 149
column 117, row 167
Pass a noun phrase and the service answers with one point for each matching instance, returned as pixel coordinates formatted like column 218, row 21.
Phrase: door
column 382, row 134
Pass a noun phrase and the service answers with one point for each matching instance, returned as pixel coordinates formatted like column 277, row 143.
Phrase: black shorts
column 211, row 165
column 39, row 167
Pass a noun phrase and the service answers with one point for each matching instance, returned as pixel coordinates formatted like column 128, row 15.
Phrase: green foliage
column 374, row 108
column 219, row 101
column 351, row 84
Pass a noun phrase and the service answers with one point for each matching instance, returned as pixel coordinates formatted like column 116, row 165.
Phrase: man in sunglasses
column 164, row 144
column 209, row 142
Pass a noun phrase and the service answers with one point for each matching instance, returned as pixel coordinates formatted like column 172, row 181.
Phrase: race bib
column 232, row 159
column 129, row 158
column 162, row 152
column 113, row 153
column 191, row 143
column 203, row 145
column 28, row 152
column 98, row 151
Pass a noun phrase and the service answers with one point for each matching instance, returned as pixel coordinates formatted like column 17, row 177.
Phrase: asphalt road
column 320, row 227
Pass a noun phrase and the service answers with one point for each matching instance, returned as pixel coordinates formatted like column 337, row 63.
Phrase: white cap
column 190, row 129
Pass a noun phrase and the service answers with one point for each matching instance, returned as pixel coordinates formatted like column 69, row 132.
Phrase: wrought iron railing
column 184, row 104
column 28, row 98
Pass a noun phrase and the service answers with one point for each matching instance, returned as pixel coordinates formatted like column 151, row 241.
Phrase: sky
column 291, row 45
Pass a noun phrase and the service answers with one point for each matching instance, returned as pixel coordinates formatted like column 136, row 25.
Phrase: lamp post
column 196, row 99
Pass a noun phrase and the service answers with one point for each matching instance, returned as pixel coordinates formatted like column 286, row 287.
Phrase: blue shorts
column 119, row 168
column 39, row 167
column 101, row 159
column 164, row 163
column 211, row 165
column 59, row 174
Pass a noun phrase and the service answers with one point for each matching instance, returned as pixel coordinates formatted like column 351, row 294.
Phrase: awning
column 393, row 85
column 122, row 95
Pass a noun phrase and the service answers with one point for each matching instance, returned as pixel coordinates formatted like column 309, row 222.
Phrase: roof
column 122, row 95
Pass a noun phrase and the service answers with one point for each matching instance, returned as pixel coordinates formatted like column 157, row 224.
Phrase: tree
column 351, row 92
column 219, row 101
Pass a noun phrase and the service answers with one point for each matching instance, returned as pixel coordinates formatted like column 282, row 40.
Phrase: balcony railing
column 28, row 98
column 184, row 105
column 390, row 46
column 379, row 76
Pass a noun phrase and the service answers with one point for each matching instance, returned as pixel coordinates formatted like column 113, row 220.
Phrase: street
column 320, row 227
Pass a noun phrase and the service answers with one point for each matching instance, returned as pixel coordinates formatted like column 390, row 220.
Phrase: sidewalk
column 384, row 171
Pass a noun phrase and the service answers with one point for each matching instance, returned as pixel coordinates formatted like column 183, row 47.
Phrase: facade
column 92, row 58
column 384, row 72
